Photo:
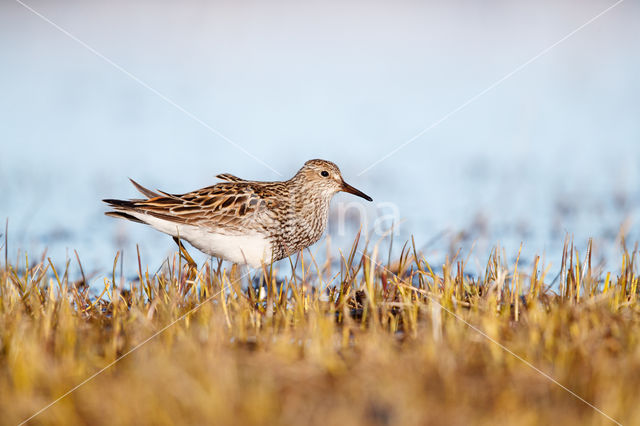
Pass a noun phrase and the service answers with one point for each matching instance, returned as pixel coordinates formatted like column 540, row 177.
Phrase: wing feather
column 144, row 191
column 229, row 205
column 230, row 178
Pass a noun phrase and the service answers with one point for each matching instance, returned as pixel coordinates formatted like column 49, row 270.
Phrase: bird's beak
column 351, row 190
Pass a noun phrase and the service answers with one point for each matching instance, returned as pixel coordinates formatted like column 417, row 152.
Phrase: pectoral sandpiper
column 243, row 221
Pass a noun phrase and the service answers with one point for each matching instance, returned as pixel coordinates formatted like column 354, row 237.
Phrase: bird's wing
column 230, row 206
column 144, row 191
column 230, row 178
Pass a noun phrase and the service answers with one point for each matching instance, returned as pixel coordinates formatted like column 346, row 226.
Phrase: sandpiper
column 243, row 221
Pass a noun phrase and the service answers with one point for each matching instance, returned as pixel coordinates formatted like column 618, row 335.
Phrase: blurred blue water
column 554, row 149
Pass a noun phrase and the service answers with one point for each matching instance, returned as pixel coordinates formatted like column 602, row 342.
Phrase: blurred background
column 554, row 149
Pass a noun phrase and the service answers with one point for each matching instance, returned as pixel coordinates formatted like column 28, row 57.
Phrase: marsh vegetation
column 361, row 338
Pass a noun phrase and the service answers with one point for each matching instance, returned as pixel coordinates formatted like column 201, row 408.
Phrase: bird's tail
column 120, row 209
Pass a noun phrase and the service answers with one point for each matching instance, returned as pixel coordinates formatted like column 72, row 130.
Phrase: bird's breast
column 300, row 229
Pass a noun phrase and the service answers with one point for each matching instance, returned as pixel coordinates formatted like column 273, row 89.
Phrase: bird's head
column 326, row 176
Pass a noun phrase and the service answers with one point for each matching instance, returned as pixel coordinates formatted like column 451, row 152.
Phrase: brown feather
column 123, row 215
column 144, row 191
column 230, row 178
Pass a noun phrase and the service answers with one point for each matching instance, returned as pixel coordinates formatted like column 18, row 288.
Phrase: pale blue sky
column 345, row 81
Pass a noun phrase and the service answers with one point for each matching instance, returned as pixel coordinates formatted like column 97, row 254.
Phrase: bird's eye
column 324, row 173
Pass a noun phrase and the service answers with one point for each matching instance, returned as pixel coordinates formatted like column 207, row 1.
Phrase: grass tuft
column 352, row 341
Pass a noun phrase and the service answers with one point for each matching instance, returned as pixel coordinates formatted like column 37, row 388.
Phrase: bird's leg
column 185, row 255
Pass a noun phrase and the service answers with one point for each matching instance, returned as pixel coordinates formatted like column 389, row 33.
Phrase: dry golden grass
column 390, row 344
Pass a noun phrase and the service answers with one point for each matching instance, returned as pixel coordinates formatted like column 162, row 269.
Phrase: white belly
column 252, row 249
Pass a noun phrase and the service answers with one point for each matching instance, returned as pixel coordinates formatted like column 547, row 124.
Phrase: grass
column 362, row 343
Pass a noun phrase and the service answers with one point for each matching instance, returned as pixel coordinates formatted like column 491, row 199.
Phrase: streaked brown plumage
column 244, row 221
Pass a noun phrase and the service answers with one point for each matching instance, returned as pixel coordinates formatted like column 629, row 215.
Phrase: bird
column 243, row 221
